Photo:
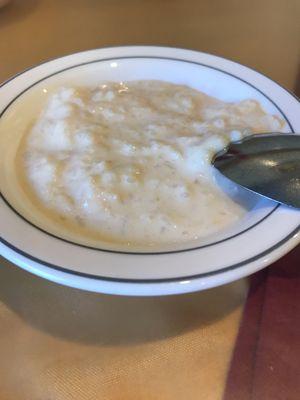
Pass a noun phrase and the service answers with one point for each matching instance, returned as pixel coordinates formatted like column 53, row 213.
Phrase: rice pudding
column 131, row 162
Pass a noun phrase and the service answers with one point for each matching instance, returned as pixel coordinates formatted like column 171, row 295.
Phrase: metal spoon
column 267, row 164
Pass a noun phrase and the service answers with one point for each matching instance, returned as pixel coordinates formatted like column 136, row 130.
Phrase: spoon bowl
column 267, row 164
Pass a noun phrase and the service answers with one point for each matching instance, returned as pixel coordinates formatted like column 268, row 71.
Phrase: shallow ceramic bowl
column 266, row 233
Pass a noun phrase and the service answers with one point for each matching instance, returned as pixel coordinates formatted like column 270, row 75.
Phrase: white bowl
column 267, row 233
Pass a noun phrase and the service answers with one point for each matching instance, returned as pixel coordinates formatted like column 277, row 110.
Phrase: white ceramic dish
column 267, row 233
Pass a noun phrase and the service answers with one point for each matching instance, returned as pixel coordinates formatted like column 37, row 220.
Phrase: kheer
column 131, row 162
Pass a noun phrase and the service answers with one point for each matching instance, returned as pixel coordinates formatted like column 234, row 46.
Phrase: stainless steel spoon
column 267, row 164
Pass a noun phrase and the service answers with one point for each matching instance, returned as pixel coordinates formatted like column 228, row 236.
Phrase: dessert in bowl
column 107, row 174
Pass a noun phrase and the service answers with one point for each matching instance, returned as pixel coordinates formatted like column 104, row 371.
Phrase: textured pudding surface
column 131, row 162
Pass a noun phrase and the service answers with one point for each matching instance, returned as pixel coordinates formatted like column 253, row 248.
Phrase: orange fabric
column 64, row 344
column 33, row 31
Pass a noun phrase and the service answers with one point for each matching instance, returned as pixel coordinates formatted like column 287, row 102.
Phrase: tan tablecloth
column 263, row 34
column 61, row 343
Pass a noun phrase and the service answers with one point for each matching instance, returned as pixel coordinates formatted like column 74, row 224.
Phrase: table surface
column 227, row 343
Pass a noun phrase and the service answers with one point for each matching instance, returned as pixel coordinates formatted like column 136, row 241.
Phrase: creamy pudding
column 130, row 162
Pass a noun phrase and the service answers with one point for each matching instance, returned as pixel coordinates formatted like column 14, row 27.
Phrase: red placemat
column 266, row 359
